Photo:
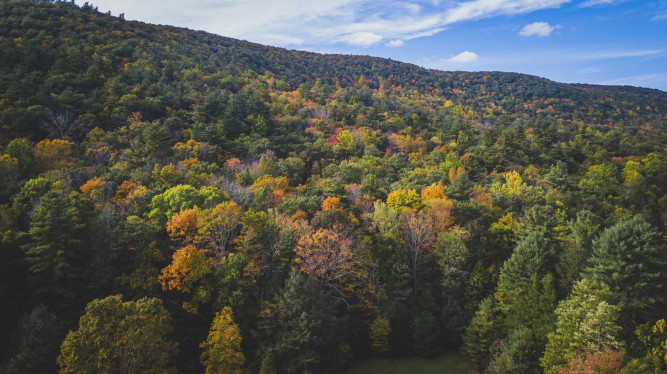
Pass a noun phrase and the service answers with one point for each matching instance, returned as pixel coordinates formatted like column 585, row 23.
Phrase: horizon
column 605, row 42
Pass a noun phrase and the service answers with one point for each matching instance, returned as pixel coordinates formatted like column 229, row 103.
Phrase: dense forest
column 177, row 201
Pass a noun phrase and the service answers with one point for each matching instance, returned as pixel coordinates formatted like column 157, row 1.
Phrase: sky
column 614, row 42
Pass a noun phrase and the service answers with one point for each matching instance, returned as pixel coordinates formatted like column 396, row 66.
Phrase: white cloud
column 487, row 8
column 395, row 43
column 464, row 57
column 538, row 29
column 363, row 39
column 659, row 17
column 319, row 23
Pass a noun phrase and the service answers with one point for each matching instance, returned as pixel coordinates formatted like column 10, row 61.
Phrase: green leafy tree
column 181, row 197
column 600, row 181
column 222, row 348
column 653, row 347
column 23, row 151
column 121, row 337
column 452, row 257
column 585, row 322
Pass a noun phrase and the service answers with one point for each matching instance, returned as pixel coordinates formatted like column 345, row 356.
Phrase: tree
column 632, row 260
column 418, row 236
column 401, row 199
column 23, row 151
column 606, row 361
column 380, row 335
column 585, row 322
column 55, row 245
column 54, row 154
column 452, row 257
column 222, row 348
column 181, row 197
column 601, row 181
column 532, row 255
column 60, row 123
column 39, row 334
column 8, row 171
column 187, row 273
column 653, row 348
column 534, row 308
column 482, row 331
column 308, row 328
column 578, row 246
column 328, row 255
column 182, row 227
column 217, row 226
column 117, row 336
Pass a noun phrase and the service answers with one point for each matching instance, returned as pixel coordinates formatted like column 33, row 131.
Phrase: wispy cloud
column 590, row 70
column 464, row 57
column 531, row 60
column 659, row 17
column 642, row 80
column 601, row 55
column 307, row 22
column 538, row 29
column 592, row 3
column 600, row 3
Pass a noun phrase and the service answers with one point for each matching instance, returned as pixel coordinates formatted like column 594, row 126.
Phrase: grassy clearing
column 449, row 363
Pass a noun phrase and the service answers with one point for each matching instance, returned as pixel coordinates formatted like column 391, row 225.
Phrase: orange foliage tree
column 54, row 154
column 329, row 256
column 187, row 273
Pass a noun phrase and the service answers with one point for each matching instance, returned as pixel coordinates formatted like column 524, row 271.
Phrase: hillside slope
column 212, row 203
column 57, row 56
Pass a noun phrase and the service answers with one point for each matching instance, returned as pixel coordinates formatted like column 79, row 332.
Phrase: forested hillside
column 177, row 201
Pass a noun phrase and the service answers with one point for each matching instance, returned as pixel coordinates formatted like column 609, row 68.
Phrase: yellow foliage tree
column 222, row 349
column 380, row 335
column 401, row 199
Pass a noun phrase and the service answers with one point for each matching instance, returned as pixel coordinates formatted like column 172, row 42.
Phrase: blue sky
column 621, row 42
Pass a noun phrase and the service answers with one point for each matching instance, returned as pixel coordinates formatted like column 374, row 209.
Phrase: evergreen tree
column 55, row 246
column 533, row 254
column 578, row 246
column 481, row 333
column 631, row 258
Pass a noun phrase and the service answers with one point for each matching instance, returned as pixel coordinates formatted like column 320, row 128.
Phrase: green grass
column 449, row 363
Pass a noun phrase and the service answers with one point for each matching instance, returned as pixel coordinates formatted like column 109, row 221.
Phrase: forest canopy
column 222, row 206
